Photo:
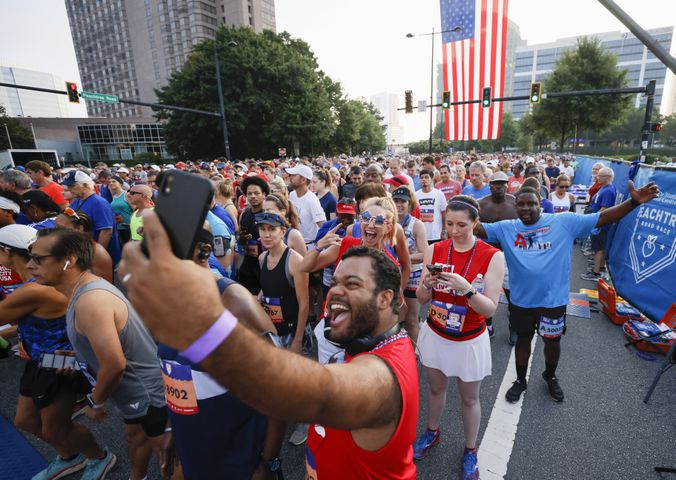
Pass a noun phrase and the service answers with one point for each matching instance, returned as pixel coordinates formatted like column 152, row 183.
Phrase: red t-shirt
column 593, row 190
column 450, row 189
column 55, row 192
column 468, row 264
column 514, row 183
column 9, row 280
column 349, row 242
column 332, row 454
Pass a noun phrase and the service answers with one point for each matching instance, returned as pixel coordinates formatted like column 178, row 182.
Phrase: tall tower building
column 387, row 104
column 131, row 47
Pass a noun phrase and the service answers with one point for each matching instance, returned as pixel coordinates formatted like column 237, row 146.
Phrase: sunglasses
column 38, row 258
column 563, row 186
column 131, row 192
column 71, row 213
column 367, row 218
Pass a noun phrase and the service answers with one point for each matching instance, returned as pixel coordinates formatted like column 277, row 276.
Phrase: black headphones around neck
column 362, row 343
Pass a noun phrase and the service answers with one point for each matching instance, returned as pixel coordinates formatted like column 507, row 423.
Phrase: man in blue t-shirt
column 81, row 187
column 477, row 188
column 604, row 198
column 538, row 250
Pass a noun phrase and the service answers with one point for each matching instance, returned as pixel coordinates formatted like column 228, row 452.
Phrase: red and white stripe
column 469, row 66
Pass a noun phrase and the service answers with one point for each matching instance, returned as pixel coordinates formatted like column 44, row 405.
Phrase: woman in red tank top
column 463, row 290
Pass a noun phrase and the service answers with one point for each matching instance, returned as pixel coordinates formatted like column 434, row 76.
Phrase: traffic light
column 656, row 127
column 535, row 92
column 73, row 96
column 486, row 98
column 446, row 100
column 409, row 101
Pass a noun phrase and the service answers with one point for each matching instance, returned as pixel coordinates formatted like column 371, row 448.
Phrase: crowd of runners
column 316, row 287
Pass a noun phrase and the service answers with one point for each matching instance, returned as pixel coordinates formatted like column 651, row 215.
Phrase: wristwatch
column 92, row 404
column 470, row 293
column 273, row 465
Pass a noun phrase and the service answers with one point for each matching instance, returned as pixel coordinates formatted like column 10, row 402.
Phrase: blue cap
column 21, row 169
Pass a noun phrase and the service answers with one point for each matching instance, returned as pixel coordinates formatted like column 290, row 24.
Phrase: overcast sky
column 360, row 43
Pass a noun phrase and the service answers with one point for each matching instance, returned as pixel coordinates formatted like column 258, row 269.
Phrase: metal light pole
column 226, row 141
column 9, row 139
column 432, row 34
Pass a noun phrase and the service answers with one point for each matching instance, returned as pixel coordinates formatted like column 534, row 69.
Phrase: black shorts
column 549, row 323
column 44, row 386
column 598, row 242
column 409, row 293
column 153, row 422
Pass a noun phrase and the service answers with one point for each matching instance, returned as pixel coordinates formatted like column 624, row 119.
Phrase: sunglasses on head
column 367, row 218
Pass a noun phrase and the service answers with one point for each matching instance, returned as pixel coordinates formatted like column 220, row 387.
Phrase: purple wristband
column 212, row 338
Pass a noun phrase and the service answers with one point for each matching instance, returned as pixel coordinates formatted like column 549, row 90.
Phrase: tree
column 668, row 134
column 586, row 67
column 20, row 136
column 275, row 95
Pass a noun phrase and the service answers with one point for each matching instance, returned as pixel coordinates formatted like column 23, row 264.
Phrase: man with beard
column 363, row 411
column 495, row 207
column 538, row 250
column 255, row 189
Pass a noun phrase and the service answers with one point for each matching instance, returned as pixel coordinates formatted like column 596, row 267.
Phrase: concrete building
column 28, row 103
column 131, row 47
column 387, row 104
column 535, row 62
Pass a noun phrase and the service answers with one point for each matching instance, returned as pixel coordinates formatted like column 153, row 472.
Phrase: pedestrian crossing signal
column 446, row 100
column 486, row 98
column 535, row 92
column 71, row 89
column 408, row 94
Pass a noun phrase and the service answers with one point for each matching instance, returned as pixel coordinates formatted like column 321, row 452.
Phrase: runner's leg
column 411, row 318
column 438, row 388
column 471, row 410
column 139, row 450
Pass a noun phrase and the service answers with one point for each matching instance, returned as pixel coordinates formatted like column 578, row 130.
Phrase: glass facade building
column 27, row 103
column 535, row 62
column 123, row 141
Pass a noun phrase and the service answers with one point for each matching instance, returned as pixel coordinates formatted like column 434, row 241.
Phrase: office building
column 27, row 103
column 387, row 104
column 130, row 48
column 535, row 62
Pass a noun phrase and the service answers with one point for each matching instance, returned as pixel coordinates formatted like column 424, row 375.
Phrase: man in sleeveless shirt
column 363, row 412
column 113, row 348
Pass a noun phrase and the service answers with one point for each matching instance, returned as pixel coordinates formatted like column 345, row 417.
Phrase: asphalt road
column 602, row 430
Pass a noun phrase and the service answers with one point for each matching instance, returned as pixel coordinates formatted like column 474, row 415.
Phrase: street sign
column 100, row 97
column 422, row 106
column 282, row 152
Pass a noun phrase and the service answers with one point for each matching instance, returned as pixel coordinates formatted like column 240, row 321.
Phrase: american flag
column 474, row 58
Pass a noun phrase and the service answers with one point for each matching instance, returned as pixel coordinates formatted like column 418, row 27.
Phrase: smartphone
column 220, row 246
column 71, row 363
column 59, row 361
column 435, row 268
column 182, row 202
column 47, row 360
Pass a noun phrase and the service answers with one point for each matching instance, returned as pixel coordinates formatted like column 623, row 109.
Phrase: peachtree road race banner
column 642, row 246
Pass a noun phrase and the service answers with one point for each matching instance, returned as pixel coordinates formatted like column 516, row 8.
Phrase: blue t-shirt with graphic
column 538, row 256
column 604, row 198
column 476, row 193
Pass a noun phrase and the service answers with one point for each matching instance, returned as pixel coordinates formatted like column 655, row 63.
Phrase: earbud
column 66, row 265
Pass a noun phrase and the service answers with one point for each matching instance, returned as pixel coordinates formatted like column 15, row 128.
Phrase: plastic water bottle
column 479, row 283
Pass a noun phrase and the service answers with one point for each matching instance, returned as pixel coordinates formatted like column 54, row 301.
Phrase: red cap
column 346, row 208
column 181, row 166
column 397, row 180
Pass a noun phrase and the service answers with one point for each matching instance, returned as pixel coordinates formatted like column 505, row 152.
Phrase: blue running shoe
column 470, row 470
column 98, row 469
column 422, row 446
column 61, row 468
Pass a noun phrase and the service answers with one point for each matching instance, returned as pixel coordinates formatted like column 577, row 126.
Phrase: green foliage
column 668, row 134
column 20, row 135
column 147, row 157
column 275, row 95
column 587, row 67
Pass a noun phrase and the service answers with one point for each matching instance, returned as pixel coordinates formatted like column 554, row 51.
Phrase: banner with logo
column 642, row 246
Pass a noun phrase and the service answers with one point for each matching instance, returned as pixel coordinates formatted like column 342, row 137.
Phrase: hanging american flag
column 474, row 57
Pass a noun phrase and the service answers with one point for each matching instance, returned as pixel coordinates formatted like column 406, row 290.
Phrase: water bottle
column 479, row 283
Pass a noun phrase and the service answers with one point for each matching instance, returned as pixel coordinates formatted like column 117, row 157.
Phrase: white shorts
column 470, row 360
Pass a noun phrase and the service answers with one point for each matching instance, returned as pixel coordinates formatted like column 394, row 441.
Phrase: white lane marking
column 498, row 440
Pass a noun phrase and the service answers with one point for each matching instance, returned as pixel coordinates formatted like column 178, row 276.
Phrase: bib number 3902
column 179, row 390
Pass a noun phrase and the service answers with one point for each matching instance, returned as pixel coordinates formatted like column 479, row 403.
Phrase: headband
column 464, row 204
column 7, row 204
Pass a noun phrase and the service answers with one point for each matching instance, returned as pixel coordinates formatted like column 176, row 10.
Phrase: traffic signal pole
column 646, row 135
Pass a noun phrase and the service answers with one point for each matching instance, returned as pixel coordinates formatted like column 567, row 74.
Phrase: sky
column 361, row 43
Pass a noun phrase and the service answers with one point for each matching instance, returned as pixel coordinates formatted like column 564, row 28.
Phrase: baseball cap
column 346, row 208
column 397, row 180
column 402, row 193
column 16, row 236
column 270, row 219
column 499, row 177
column 181, row 165
column 76, row 176
column 300, row 169
column 123, row 170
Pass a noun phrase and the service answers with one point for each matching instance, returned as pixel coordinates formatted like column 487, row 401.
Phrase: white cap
column 122, row 170
column 300, row 169
column 17, row 236
column 155, row 168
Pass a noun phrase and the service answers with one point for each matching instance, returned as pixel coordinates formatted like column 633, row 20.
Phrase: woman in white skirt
column 463, row 289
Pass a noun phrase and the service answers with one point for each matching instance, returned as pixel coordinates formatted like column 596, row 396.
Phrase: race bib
column 551, row 327
column 273, row 307
column 414, row 280
column 427, row 215
column 179, row 390
column 448, row 316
